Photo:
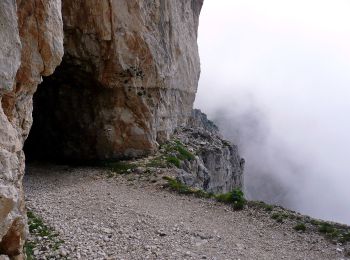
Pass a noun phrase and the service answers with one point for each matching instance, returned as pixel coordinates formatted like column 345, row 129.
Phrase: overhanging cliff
column 128, row 78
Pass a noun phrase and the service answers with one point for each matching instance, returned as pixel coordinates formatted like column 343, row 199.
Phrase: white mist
column 276, row 78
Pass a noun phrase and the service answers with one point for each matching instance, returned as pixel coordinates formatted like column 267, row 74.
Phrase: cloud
column 275, row 76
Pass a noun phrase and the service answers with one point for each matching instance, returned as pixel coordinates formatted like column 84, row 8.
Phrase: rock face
column 32, row 46
column 217, row 166
column 128, row 79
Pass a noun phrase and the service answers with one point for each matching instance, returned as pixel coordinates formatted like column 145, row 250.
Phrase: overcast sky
column 276, row 77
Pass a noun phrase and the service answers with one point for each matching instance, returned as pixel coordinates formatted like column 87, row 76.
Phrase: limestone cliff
column 128, row 79
column 32, row 46
column 217, row 166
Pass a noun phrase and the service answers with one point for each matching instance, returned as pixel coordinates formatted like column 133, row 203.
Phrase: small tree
column 238, row 199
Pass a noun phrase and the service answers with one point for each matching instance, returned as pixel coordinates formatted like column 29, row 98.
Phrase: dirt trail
column 126, row 218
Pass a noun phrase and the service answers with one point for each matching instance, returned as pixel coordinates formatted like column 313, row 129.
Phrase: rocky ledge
column 216, row 165
column 196, row 155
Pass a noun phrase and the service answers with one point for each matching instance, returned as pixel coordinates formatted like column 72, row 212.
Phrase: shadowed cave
column 76, row 119
column 64, row 117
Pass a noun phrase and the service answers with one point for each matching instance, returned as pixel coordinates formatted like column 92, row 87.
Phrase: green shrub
column 344, row 237
column 286, row 215
column 268, row 207
column 260, row 204
column 179, row 149
column 181, row 188
column 236, row 197
column 329, row 230
column 275, row 215
column 325, row 228
column 333, row 232
column 238, row 205
column 184, row 154
column 178, row 186
column 315, row 222
column 202, row 194
column 224, row 197
column 300, row 227
column 278, row 217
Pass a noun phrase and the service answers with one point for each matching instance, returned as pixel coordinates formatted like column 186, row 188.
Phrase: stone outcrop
column 217, row 166
column 128, row 79
column 32, row 46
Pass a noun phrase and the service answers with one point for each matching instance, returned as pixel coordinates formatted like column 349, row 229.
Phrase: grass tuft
column 157, row 162
column 121, row 167
column 300, row 227
column 173, row 160
column 235, row 197
column 29, row 250
column 178, row 186
column 37, row 229
column 278, row 217
column 184, row 154
column 261, row 204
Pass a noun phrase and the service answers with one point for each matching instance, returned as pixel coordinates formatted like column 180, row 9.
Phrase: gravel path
column 126, row 218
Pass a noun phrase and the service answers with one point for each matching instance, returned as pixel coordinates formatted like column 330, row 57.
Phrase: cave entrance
column 65, row 113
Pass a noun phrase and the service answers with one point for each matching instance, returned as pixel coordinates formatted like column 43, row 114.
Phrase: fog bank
column 276, row 79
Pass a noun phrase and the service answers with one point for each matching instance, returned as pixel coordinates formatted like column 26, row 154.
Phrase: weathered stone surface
column 32, row 45
column 217, row 166
column 10, row 45
column 127, row 80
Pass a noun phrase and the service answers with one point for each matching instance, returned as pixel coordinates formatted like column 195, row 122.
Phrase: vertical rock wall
column 32, row 46
column 217, row 166
column 128, row 79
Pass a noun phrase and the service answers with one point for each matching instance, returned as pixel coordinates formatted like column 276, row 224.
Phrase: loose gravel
column 131, row 217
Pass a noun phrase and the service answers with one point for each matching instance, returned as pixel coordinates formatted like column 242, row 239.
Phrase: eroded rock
column 217, row 166
column 32, row 46
column 128, row 79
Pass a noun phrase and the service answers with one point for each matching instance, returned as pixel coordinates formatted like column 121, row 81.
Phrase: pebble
column 63, row 252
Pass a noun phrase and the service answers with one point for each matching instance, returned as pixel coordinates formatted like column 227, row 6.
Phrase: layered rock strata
column 217, row 166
